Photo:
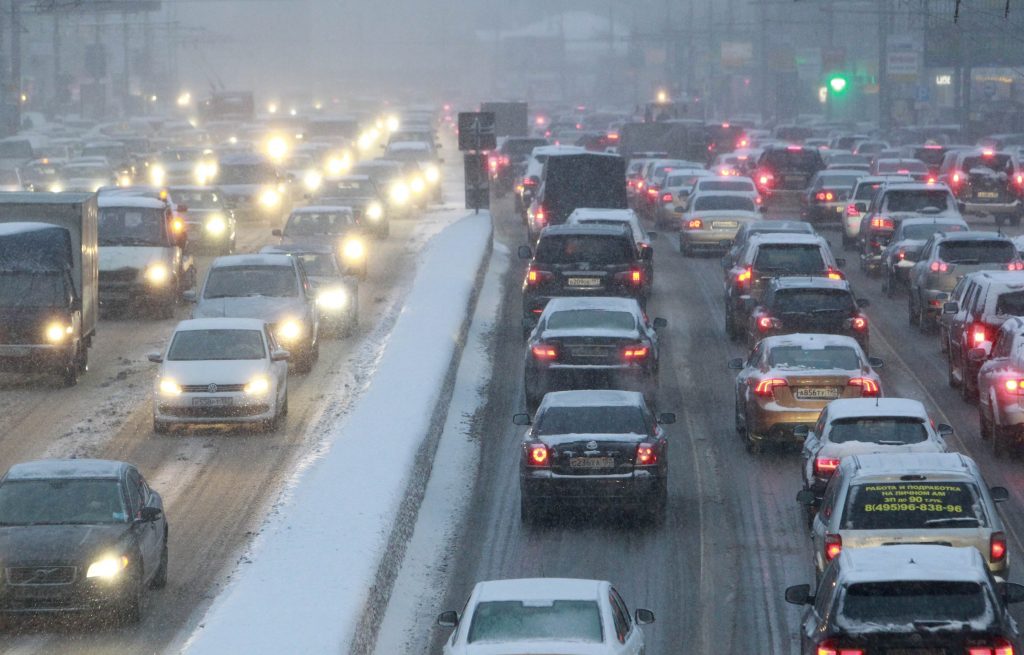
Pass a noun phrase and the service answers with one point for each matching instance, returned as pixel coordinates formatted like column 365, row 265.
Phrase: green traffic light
column 837, row 84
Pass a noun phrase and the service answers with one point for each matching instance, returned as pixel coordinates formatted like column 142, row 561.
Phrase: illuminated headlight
column 312, row 180
column 277, row 148
column 205, row 172
column 157, row 175
column 391, row 123
column 258, row 386
column 337, row 166
column 332, row 299
column 56, row 332
column 157, row 273
column 417, row 184
column 374, row 211
column 124, row 180
column 432, row 173
column 56, row 187
column 399, row 193
column 270, row 198
column 169, row 387
column 289, row 330
column 107, row 568
column 216, row 225
column 353, row 250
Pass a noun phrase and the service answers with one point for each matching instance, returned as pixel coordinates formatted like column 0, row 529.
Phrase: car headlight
column 258, row 386
column 270, row 198
column 312, row 180
column 337, row 166
column 399, row 193
column 392, row 123
column 432, row 173
column 205, row 172
column 374, row 211
column 417, row 184
column 124, row 180
column 57, row 331
column 56, row 187
column 277, row 148
column 353, row 250
column 157, row 175
column 332, row 299
column 157, row 273
column 107, row 568
column 169, row 387
column 216, row 225
column 289, row 330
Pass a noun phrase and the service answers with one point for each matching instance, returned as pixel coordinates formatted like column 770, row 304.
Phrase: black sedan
column 594, row 446
column 587, row 342
column 78, row 535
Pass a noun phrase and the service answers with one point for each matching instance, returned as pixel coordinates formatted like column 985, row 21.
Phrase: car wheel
column 984, row 426
column 284, row 405
column 950, row 379
column 1000, row 441
column 943, row 341
column 754, row 446
column 911, row 310
column 273, row 423
column 889, row 285
column 159, row 580
column 967, row 391
column 70, row 371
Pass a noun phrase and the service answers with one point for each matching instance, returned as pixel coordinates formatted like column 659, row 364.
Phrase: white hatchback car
column 553, row 616
column 221, row 370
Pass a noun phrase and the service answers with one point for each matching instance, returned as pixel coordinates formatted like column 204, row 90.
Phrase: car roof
column 971, row 236
column 607, row 303
column 891, row 179
column 1011, row 279
column 589, row 213
column 914, row 186
column 900, row 464
column 940, row 219
column 769, row 226
column 351, row 178
column 253, row 260
column 220, row 324
column 242, row 159
column 135, row 202
column 830, row 172
column 725, row 178
column 865, row 407
column 538, row 589
column 773, row 238
column 809, row 282
column 321, row 209
column 805, row 339
column 44, row 469
column 585, row 228
column 556, row 149
column 298, row 249
column 911, row 562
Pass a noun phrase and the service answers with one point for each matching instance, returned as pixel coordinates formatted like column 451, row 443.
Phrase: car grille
column 215, row 412
column 212, row 388
column 17, row 333
column 41, row 575
column 120, row 275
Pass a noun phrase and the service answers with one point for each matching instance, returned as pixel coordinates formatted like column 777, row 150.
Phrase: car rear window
column 815, row 302
column 827, row 358
column 923, row 231
column 723, row 203
column 901, row 166
column 582, row 319
column 593, row 249
column 789, row 258
column 742, row 186
column 804, row 161
column 912, row 506
column 995, row 162
column 310, row 223
column 866, row 191
column 905, row 602
column 620, row 419
column 977, row 252
column 1010, row 303
column 884, row 430
column 513, row 620
column 916, row 200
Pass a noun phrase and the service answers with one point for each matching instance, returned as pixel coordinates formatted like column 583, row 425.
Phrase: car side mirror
column 659, row 323
column 525, row 252
column 999, row 494
column 951, row 307
column 799, row 595
column 860, row 206
column 150, row 514
column 277, row 233
column 521, row 419
column 155, row 357
column 644, row 616
column 736, row 364
column 944, row 429
column 801, row 431
column 280, row 356
column 652, row 235
column 806, row 497
column 448, row 619
column 876, row 362
column 646, row 254
column 1012, row 592
column 189, row 295
column 977, row 354
column 666, row 418
column 841, row 262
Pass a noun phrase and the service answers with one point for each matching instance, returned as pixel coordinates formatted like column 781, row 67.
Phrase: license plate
column 592, row 462
column 794, row 178
column 219, row 401
column 589, row 351
column 584, row 282
column 724, row 225
column 987, row 194
column 816, row 393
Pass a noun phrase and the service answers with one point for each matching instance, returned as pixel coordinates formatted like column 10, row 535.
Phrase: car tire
column 273, row 423
column 754, row 446
column 943, row 341
column 71, row 370
column 967, row 391
column 889, row 285
column 911, row 310
column 284, row 405
column 1000, row 441
column 159, row 580
column 984, row 426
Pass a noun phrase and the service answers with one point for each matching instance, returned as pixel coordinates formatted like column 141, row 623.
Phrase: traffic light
column 837, row 84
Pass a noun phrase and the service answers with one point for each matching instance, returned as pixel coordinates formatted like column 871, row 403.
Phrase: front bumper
column 138, row 293
column 25, row 357
column 239, row 408
column 636, row 488
column 80, row 595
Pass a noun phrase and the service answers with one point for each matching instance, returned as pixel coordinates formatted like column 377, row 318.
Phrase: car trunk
column 814, row 391
column 591, row 350
column 599, row 454
column 987, row 186
column 820, row 322
column 957, row 537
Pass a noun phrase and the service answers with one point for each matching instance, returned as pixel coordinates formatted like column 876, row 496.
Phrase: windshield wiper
column 952, row 519
column 968, row 262
column 890, row 443
column 829, row 310
column 924, row 624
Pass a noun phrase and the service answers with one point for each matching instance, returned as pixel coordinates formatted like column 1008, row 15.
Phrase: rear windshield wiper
column 924, row 624
column 952, row 519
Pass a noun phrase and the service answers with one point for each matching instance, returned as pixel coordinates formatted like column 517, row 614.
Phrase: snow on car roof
column 534, row 589
column 322, row 209
column 554, row 150
column 589, row 213
column 608, row 303
column 809, row 282
column 298, row 249
column 134, row 202
column 253, row 260
column 725, row 178
column 7, row 229
column 936, row 220
column 65, row 468
column 592, row 398
column 911, row 562
column 220, row 324
column 810, row 341
column 766, row 226
column 798, row 237
column 900, row 464
column 409, row 145
column 858, row 407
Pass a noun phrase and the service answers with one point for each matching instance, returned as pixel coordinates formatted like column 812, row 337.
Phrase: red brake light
column 979, row 334
column 820, row 196
column 646, row 455
column 639, row 184
column 633, row 353
column 955, row 178
column 997, row 546
column 766, row 387
column 537, row 455
column 1000, row 647
column 529, row 181
column 834, row 274
column 537, row 276
column 694, row 224
column 825, row 466
column 1020, row 179
column 901, row 255
column 859, row 323
column 177, row 225
column 540, row 218
column 794, row 148
column 829, row 648
column 547, row 353
column 667, row 198
column 883, row 223
column 938, row 267
column 652, row 191
column 851, row 209
column 1013, row 385
column 868, row 387
column 833, row 546
column 744, row 276
column 1015, row 266
column 987, row 153
column 764, row 323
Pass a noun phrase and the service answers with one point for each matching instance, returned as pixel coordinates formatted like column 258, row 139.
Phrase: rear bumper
column 1001, row 208
column 545, row 486
column 708, row 239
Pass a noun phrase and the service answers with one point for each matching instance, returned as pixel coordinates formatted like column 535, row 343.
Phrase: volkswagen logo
column 584, row 266
column 212, row 388
column 591, row 445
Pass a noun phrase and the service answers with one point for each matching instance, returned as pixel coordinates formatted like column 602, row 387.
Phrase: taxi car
column 80, row 535
column 545, row 615
column 712, row 219
column 909, row 498
column 908, row 599
column 786, row 381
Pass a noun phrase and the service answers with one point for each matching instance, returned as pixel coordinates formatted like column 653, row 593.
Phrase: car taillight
column 634, row 277
column 833, row 546
column 868, row 387
column 536, row 276
column 859, row 323
column 766, row 387
column 1017, row 265
column 765, row 323
column 825, row 466
column 997, row 546
column 652, row 191
column 540, row 218
column 1014, row 385
column 545, row 352
column 529, row 181
column 825, row 196
column 979, row 334
column 901, row 254
column 883, row 223
column 1019, row 179
column 938, row 267
column 743, row 277
column 759, row 200
column 537, row 455
column 833, row 274
column 851, row 210
column 667, row 198
column 694, row 224
column 999, row 647
column 634, row 353
column 830, row 648
column 646, row 455
column 955, row 178
column 639, row 185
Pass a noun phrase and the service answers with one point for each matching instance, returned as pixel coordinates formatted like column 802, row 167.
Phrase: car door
column 958, row 323
column 946, row 320
column 823, row 518
column 149, row 536
column 994, row 370
column 812, row 444
column 922, row 264
column 751, row 369
column 278, row 369
column 633, row 644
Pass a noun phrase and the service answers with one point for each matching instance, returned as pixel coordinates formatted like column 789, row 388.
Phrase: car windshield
column 349, row 189
column 220, row 344
column 723, row 203
column 513, row 620
column 905, row 602
column 309, row 223
column 886, row 430
column 917, row 200
column 922, row 231
column 89, row 171
column 789, row 258
column 132, row 226
column 977, row 252
column 32, row 289
column 813, row 301
column 586, row 319
column 741, row 186
column 592, row 249
column 246, row 174
column 61, row 501
column 1010, row 303
column 244, row 281
column 688, row 180
column 318, row 264
column 590, row 419
column 913, row 505
column 197, row 199
column 827, row 358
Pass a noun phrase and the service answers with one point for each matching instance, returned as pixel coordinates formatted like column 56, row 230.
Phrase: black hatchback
column 583, row 260
column 810, row 305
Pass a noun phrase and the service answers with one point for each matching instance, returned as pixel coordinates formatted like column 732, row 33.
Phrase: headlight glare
column 417, row 184
column 289, row 330
column 157, row 273
column 270, row 198
column 332, row 298
column 216, row 225
column 312, row 180
column 157, row 175
column 432, row 173
column 258, row 386
column 353, row 250
column 169, row 387
column 107, row 568
column 374, row 211
column 400, row 193
column 56, row 331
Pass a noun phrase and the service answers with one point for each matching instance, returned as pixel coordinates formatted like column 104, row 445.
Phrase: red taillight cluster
column 830, row 648
column 537, row 455
column 938, row 267
column 859, row 323
column 540, row 218
column 825, row 466
column 743, row 277
column 833, row 546
column 529, row 181
column 646, row 455
column 1017, row 265
column 652, row 191
column 882, row 223
column 851, row 210
column 667, row 198
column 901, row 255
column 765, row 323
column 825, row 196
column 868, row 387
column 765, row 179
column 979, row 334
column 997, row 547
column 536, row 276
column 634, row 277
column 1014, row 385
column 766, row 387
column 545, row 353
column 1000, row 647
column 834, row 274
column 694, row 224
column 634, row 353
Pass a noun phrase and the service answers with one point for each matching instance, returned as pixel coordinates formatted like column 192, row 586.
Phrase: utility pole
column 763, row 85
column 126, row 81
column 884, row 117
column 16, row 28
column 57, row 86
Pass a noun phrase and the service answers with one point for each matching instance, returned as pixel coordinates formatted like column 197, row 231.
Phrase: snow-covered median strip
column 315, row 567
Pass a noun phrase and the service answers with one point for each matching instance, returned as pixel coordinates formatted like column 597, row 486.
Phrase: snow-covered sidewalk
column 316, row 564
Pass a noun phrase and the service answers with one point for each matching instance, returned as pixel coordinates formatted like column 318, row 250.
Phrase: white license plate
column 584, row 282
column 987, row 194
column 816, row 393
column 592, row 462
column 219, row 401
column 589, row 351
column 724, row 225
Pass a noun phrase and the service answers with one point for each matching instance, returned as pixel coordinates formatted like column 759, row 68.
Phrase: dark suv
column 986, row 182
column 812, row 305
column 786, row 170
column 582, row 260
